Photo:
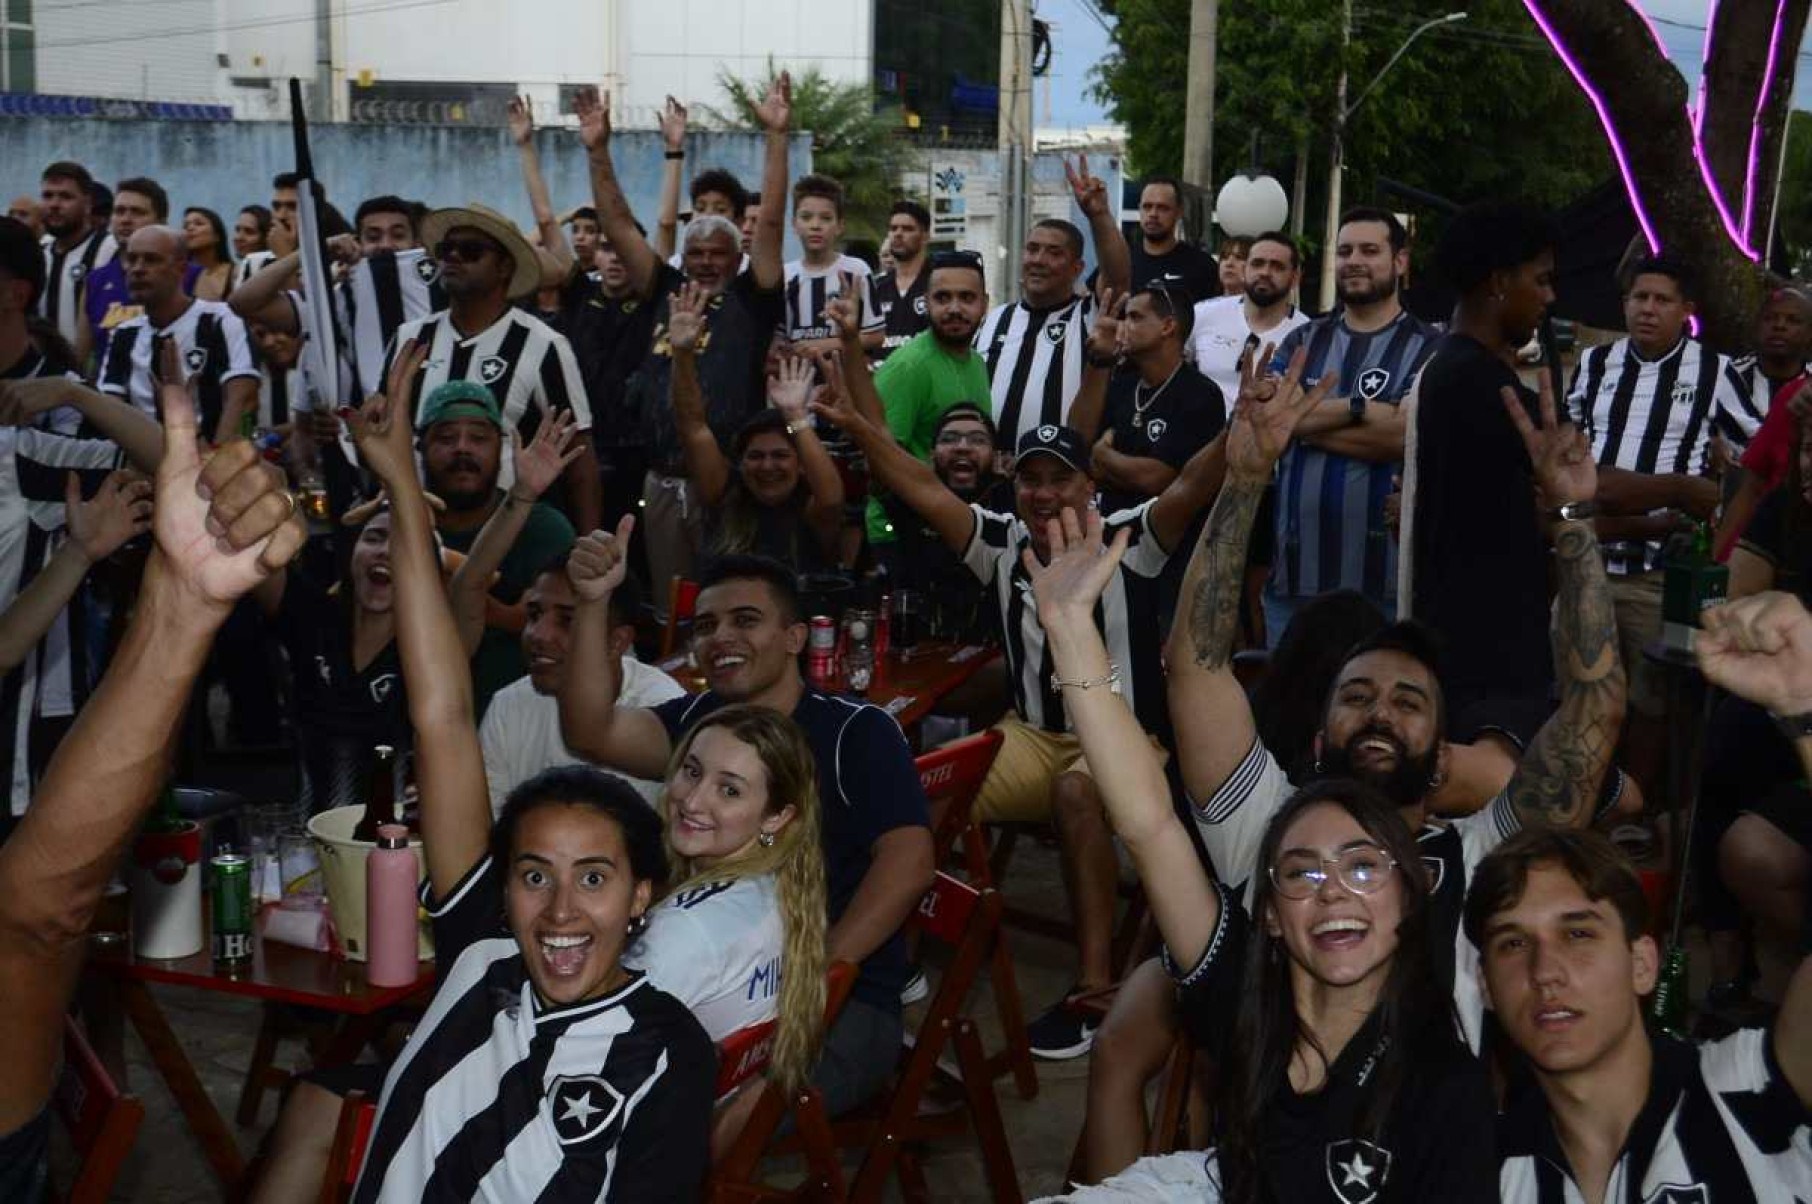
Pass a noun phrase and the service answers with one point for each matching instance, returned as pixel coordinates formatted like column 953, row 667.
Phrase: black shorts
column 25, row 1160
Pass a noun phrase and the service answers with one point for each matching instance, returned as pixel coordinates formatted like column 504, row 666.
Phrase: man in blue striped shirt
column 1334, row 479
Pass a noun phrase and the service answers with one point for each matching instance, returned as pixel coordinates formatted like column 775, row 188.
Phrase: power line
column 229, row 26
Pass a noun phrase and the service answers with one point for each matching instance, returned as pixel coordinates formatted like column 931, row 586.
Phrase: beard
column 958, row 338
column 1404, row 784
column 1367, row 292
column 1263, row 295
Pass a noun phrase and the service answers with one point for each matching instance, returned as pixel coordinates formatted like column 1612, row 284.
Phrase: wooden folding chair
column 682, row 602
column 952, row 777
column 744, row 1055
column 350, row 1137
column 890, row 1127
column 102, row 1121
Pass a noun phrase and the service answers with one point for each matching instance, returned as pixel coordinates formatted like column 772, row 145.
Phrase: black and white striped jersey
column 1651, row 416
column 53, row 681
column 380, row 293
column 60, row 304
column 501, row 1097
column 1752, row 392
column 1034, row 359
column 209, row 337
column 1721, row 1123
column 1127, row 616
column 809, row 289
column 38, row 362
column 251, row 265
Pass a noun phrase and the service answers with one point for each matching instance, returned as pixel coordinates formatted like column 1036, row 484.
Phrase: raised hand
column 1564, row 471
column 775, row 112
column 344, row 249
column 600, row 561
column 1090, row 192
column 521, row 120
column 382, row 428
column 1760, row 648
column 593, row 111
column 119, row 510
column 673, row 124
column 790, row 388
column 1104, row 337
column 1267, row 411
column 844, row 311
column 1079, row 569
column 833, row 402
column 224, row 524
column 540, row 464
column 686, row 318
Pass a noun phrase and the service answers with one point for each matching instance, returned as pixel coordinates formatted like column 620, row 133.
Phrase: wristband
column 1355, row 411
column 1573, row 512
column 1102, row 361
column 1111, row 681
column 676, row 154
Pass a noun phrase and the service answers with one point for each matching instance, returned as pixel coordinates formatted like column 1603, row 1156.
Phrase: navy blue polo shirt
column 867, row 787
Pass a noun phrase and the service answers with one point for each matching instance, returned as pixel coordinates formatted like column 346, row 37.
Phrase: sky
column 1081, row 41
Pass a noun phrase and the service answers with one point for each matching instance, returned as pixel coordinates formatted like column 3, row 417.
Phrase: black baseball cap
column 21, row 258
column 1060, row 441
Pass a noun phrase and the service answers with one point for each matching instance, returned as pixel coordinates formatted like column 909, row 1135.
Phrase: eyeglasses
column 977, row 439
column 466, row 250
column 1362, row 869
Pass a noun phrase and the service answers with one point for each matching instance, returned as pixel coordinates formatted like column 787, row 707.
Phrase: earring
column 765, row 840
column 637, row 926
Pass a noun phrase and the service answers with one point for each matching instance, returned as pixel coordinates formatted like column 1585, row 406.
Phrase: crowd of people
column 1393, row 875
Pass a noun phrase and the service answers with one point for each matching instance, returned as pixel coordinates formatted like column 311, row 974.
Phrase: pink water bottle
column 390, row 908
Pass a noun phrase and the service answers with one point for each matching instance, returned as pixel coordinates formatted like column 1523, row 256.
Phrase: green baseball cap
column 460, row 399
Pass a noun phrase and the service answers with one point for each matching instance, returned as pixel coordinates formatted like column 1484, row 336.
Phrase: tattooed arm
column 1213, row 719
column 1557, row 781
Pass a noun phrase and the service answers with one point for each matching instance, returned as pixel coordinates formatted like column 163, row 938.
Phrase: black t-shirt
column 1170, row 422
column 903, row 315
column 609, row 337
column 1481, row 557
column 25, row 1159
column 732, row 364
column 1436, row 1143
column 867, row 787
column 1184, row 264
column 1777, row 534
column 958, row 607
column 740, row 524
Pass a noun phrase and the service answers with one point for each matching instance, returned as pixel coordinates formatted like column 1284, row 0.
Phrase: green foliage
column 1794, row 220
column 851, row 142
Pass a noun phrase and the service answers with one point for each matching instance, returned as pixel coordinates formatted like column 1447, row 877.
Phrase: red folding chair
column 744, row 1055
column 952, row 777
column 891, row 1127
column 102, row 1121
column 350, row 1137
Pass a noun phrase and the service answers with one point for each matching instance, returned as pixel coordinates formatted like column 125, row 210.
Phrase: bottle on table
column 380, row 795
column 390, row 909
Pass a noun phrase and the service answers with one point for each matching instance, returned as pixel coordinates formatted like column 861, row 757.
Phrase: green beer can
column 232, row 897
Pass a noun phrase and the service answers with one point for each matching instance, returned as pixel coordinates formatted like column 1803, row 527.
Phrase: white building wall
column 161, row 51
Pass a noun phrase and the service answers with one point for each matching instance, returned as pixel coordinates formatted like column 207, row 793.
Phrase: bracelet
column 676, row 154
column 513, row 496
column 1111, row 681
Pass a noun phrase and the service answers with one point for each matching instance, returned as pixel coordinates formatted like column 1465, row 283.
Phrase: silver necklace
column 1139, row 407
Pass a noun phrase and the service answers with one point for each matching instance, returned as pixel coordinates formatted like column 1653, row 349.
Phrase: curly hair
column 795, row 859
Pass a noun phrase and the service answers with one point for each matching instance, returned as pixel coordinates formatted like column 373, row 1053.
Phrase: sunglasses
column 465, row 250
column 1362, row 869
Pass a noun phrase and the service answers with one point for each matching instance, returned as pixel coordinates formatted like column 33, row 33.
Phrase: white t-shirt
column 717, row 949
column 521, row 730
column 1221, row 333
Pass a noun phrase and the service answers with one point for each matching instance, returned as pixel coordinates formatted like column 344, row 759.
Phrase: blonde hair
column 795, row 859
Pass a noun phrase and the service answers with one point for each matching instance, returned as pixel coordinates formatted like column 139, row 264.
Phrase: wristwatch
column 1573, row 512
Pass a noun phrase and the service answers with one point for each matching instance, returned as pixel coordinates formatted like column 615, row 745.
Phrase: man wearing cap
column 1040, row 774
column 462, row 455
column 525, row 365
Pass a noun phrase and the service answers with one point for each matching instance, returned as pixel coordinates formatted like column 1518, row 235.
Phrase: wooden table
column 277, row 973
column 908, row 689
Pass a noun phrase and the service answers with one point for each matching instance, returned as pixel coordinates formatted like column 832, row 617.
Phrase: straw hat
column 526, row 277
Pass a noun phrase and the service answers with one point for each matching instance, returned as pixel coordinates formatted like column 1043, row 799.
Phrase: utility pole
column 1336, row 160
column 323, row 97
column 1198, row 108
column 1015, row 133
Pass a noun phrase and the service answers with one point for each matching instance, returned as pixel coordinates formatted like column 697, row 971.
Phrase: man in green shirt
column 462, row 455
column 937, row 369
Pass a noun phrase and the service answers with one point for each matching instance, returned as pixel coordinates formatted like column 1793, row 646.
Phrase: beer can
column 823, row 634
column 232, row 899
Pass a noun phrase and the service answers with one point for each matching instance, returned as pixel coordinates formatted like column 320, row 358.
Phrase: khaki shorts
column 1636, row 598
column 1018, row 786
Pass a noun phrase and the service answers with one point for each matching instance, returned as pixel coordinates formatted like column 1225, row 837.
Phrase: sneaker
column 1060, row 1034
column 916, row 989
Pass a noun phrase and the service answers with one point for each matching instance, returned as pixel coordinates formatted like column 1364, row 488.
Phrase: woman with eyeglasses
column 1339, row 1072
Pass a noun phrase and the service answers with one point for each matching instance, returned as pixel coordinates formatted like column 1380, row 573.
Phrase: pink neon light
column 1731, row 228
column 1698, row 108
column 1604, row 119
column 1755, row 127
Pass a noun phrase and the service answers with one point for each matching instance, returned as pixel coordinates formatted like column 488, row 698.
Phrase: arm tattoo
column 1557, row 782
column 1217, row 572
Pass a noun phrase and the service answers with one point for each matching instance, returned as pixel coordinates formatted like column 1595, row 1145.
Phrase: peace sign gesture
column 1089, row 191
column 1562, row 459
column 1267, row 412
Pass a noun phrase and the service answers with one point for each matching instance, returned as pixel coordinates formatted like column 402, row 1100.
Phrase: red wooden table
column 906, row 688
column 277, row 973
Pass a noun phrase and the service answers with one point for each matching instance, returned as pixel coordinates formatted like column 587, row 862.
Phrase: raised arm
column 639, row 259
column 456, row 803
column 673, row 134
column 844, row 313
column 1111, row 251
column 790, row 392
column 892, row 465
column 138, row 434
column 1557, row 780
column 1760, row 648
column 630, row 740
column 775, row 113
column 1214, row 720
column 120, row 510
column 538, row 466
column 1183, row 899
column 705, row 460
column 1194, row 486
column 115, row 758
column 1103, row 350
column 522, row 133
column 260, row 298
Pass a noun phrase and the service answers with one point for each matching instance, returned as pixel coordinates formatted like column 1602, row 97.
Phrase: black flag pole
column 320, row 360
